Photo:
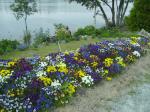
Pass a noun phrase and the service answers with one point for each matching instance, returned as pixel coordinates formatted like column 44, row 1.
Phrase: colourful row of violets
column 39, row 83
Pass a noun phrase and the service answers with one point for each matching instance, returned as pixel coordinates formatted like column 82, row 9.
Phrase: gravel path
column 127, row 93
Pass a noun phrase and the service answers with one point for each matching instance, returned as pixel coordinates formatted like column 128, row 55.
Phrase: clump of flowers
column 47, row 81
column 51, row 69
column 80, row 73
column 39, row 83
column 87, row 80
column 108, row 62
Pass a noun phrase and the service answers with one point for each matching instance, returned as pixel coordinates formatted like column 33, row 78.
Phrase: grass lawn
column 53, row 47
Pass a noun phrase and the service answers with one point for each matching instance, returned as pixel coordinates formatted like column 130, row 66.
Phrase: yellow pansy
column 47, row 81
column 4, row 73
column 63, row 69
column 51, row 69
column 94, row 64
column 108, row 62
column 10, row 93
column 108, row 78
column 106, row 72
column 71, row 89
column 66, row 52
column 80, row 73
column 61, row 64
column 2, row 110
column 130, row 58
column 120, row 61
column 134, row 40
column 11, row 64
column 76, row 54
column 17, row 92
column 75, row 58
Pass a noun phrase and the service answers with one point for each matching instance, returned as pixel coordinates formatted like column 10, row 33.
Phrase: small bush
column 63, row 33
column 88, row 30
column 139, row 17
column 41, row 37
column 8, row 46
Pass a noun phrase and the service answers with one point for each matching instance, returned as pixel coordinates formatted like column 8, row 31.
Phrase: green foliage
column 41, row 37
column 139, row 16
column 27, row 38
column 23, row 8
column 91, row 31
column 8, row 46
column 114, row 33
column 88, row 30
column 62, row 33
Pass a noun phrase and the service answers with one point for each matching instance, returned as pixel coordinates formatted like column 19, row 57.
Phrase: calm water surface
column 50, row 12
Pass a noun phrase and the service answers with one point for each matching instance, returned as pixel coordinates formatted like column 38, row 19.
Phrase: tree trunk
column 119, row 12
column 113, row 13
column 59, row 46
column 104, row 15
column 123, row 13
column 26, row 25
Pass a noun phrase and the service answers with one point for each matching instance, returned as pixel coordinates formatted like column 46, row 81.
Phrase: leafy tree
column 62, row 33
column 117, row 8
column 139, row 17
column 23, row 8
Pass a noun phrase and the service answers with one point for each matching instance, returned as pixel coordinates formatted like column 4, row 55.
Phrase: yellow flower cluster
column 47, row 81
column 133, row 40
column 104, row 73
column 108, row 78
column 66, row 53
column 2, row 110
column 120, row 61
column 51, row 69
column 4, row 73
column 94, row 64
column 130, row 58
column 17, row 92
column 11, row 64
column 80, row 73
column 63, row 69
column 108, row 62
column 71, row 89
column 75, row 58
column 61, row 64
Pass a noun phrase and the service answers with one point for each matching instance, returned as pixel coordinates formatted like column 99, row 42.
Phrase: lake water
column 50, row 12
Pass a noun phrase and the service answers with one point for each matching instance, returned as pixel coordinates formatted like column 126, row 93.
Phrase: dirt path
column 118, row 95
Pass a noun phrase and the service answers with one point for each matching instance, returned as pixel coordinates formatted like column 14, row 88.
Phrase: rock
column 144, row 33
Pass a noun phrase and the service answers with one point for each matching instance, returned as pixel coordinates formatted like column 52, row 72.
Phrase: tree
column 22, row 9
column 117, row 8
column 139, row 17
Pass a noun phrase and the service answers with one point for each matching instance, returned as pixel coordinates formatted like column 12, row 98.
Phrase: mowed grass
column 52, row 47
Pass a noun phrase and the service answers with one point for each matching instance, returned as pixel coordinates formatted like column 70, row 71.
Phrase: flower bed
column 38, row 83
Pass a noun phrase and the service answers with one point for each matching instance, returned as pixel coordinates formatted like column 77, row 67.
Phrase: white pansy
column 56, row 84
column 40, row 73
column 48, row 58
column 111, row 45
column 136, row 53
column 43, row 64
column 87, row 80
